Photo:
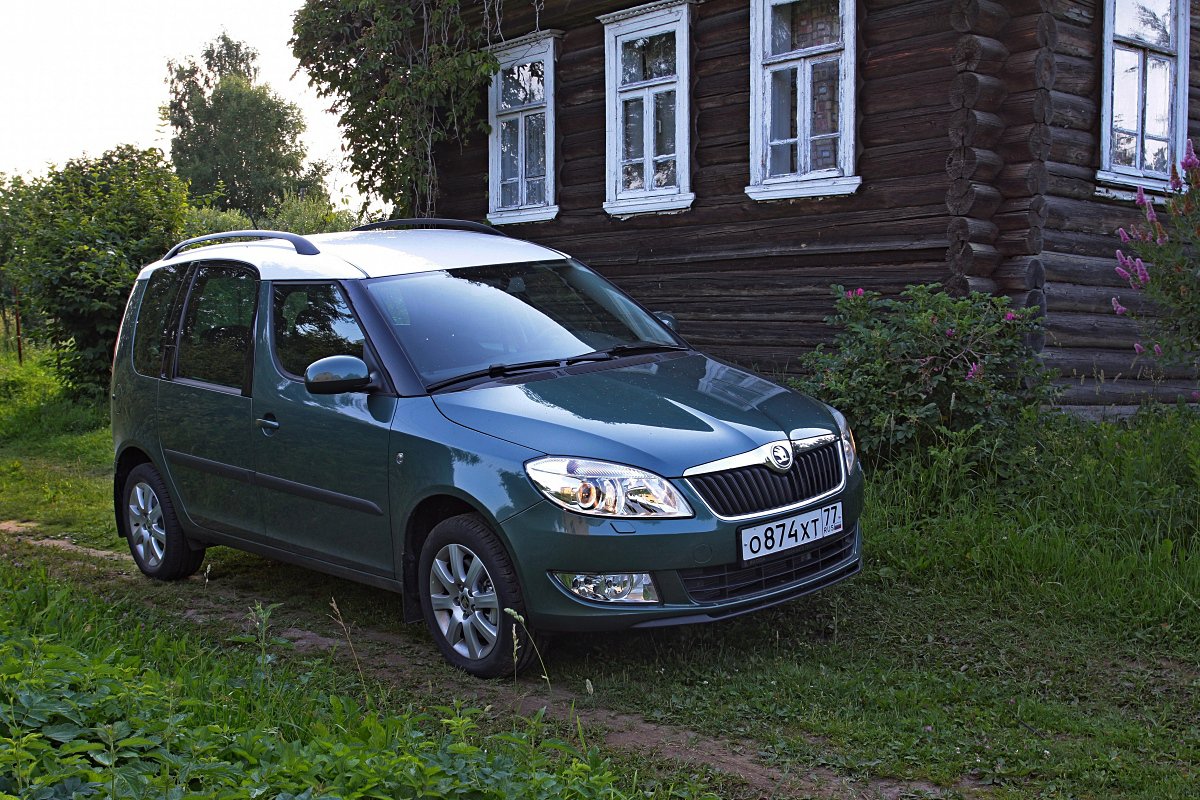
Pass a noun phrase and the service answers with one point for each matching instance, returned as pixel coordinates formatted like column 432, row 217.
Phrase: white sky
column 81, row 76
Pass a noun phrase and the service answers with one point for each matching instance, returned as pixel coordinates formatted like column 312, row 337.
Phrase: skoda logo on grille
column 781, row 458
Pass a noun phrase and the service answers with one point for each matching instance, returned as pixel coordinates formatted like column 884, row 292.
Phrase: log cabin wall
column 1091, row 347
column 749, row 281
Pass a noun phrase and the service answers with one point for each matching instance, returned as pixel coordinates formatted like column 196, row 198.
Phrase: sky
column 81, row 76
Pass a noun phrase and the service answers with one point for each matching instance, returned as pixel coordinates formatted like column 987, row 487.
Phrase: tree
column 405, row 78
column 78, row 238
column 234, row 139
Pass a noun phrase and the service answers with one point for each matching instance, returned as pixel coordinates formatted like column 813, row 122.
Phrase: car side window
column 215, row 342
column 153, row 320
column 311, row 321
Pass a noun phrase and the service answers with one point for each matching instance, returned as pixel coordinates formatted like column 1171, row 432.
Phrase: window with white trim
column 1145, row 92
column 521, row 143
column 802, row 67
column 646, row 57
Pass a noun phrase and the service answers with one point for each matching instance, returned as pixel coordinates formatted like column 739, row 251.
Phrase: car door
column 322, row 459
column 205, row 415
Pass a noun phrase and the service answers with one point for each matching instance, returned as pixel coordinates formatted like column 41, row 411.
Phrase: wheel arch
column 424, row 518
column 127, row 460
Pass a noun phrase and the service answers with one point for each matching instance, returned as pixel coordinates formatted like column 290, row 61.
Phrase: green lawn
column 1037, row 638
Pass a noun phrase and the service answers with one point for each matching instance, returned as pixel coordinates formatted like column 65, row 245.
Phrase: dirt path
column 403, row 662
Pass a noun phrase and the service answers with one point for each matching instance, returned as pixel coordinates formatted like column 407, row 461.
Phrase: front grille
column 730, row 581
column 758, row 489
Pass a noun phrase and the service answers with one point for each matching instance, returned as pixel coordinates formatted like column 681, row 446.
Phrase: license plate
column 785, row 534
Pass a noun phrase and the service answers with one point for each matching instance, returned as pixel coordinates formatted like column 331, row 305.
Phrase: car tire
column 469, row 595
column 152, row 528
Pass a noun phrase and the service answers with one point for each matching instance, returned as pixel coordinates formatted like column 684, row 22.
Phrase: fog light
column 615, row 587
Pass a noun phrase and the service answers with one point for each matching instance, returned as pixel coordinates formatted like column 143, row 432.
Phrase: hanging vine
column 405, row 78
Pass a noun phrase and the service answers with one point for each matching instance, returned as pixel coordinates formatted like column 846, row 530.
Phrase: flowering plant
column 1159, row 258
column 911, row 369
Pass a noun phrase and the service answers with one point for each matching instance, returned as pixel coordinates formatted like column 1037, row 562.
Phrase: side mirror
column 337, row 374
column 667, row 319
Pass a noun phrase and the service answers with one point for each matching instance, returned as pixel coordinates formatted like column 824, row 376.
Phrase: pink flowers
column 1117, row 307
column 1143, row 275
column 1141, row 200
column 1137, row 348
column 1190, row 161
column 1157, row 351
column 949, row 333
column 1124, row 236
column 1009, row 316
column 853, row 293
column 974, row 371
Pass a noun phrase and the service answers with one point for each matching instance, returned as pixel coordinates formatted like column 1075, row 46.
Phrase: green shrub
column 206, row 219
column 927, row 368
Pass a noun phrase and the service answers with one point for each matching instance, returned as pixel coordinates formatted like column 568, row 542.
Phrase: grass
column 1038, row 638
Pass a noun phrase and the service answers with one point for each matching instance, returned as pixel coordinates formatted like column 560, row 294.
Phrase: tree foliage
column 77, row 238
column 406, row 77
column 235, row 139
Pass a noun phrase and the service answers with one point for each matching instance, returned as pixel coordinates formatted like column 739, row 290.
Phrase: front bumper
column 694, row 562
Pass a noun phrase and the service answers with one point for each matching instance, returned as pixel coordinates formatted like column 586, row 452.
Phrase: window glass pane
column 1148, row 20
column 634, row 133
column 824, row 98
column 1124, row 149
column 152, row 320
column 664, row 173
column 510, row 194
column 1156, row 155
column 632, row 177
column 783, row 104
column 215, row 342
column 522, row 84
column 535, row 192
column 783, row 159
column 535, row 146
column 807, row 23
column 647, row 58
column 664, row 123
column 510, row 135
column 310, row 322
column 823, row 153
column 1127, row 88
column 1158, row 97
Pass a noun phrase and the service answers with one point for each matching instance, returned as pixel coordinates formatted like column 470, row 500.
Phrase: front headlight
column 849, row 448
column 604, row 489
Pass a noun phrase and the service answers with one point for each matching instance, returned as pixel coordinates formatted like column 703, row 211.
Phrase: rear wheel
column 468, row 588
column 155, row 537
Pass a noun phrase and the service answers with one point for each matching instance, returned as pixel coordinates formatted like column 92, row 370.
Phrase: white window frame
column 647, row 20
column 820, row 183
column 1120, row 175
column 541, row 46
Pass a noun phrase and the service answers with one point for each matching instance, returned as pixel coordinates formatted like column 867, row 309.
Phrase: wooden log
column 1022, row 8
column 1024, row 108
column 979, row 54
column 1083, row 270
column 977, row 283
column 1096, row 362
column 1031, row 69
column 909, row 55
column 972, row 128
column 924, row 89
column 972, row 90
column 1031, row 32
column 1021, row 212
column 1025, row 143
column 1078, row 244
column 1030, row 298
column 1076, row 75
column 1096, row 299
column 907, row 21
column 1070, row 146
column 972, row 258
column 978, row 16
column 1020, row 274
column 1079, row 11
column 969, row 229
column 1089, row 216
column 1020, row 242
column 973, row 162
column 1125, row 392
column 1076, row 40
column 1074, row 329
column 968, row 198
column 1071, row 180
column 1072, row 111
column 1022, row 179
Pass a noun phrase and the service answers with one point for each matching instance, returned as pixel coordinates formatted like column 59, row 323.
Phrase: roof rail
column 303, row 246
column 432, row 222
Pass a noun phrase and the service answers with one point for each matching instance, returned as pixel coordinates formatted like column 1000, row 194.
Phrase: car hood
column 666, row 415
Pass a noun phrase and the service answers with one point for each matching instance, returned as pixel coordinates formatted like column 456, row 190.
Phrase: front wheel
column 471, row 599
column 155, row 537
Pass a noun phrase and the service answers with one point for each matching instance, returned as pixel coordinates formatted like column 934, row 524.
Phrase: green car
column 480, row 423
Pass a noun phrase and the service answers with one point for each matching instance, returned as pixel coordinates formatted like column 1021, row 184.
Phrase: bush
column 311, row 213
column 206, row 219
column 928, row 368
column 1163, row 263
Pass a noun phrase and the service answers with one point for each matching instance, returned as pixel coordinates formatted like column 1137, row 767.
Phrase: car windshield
column 456, row 322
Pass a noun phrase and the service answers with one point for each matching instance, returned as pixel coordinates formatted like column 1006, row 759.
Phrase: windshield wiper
column 627, row 349
column 504, row 370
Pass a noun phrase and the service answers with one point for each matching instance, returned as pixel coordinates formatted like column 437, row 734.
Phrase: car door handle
column 267, row 423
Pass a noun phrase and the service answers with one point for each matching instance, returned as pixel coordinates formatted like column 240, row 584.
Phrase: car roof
column 369, row 254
